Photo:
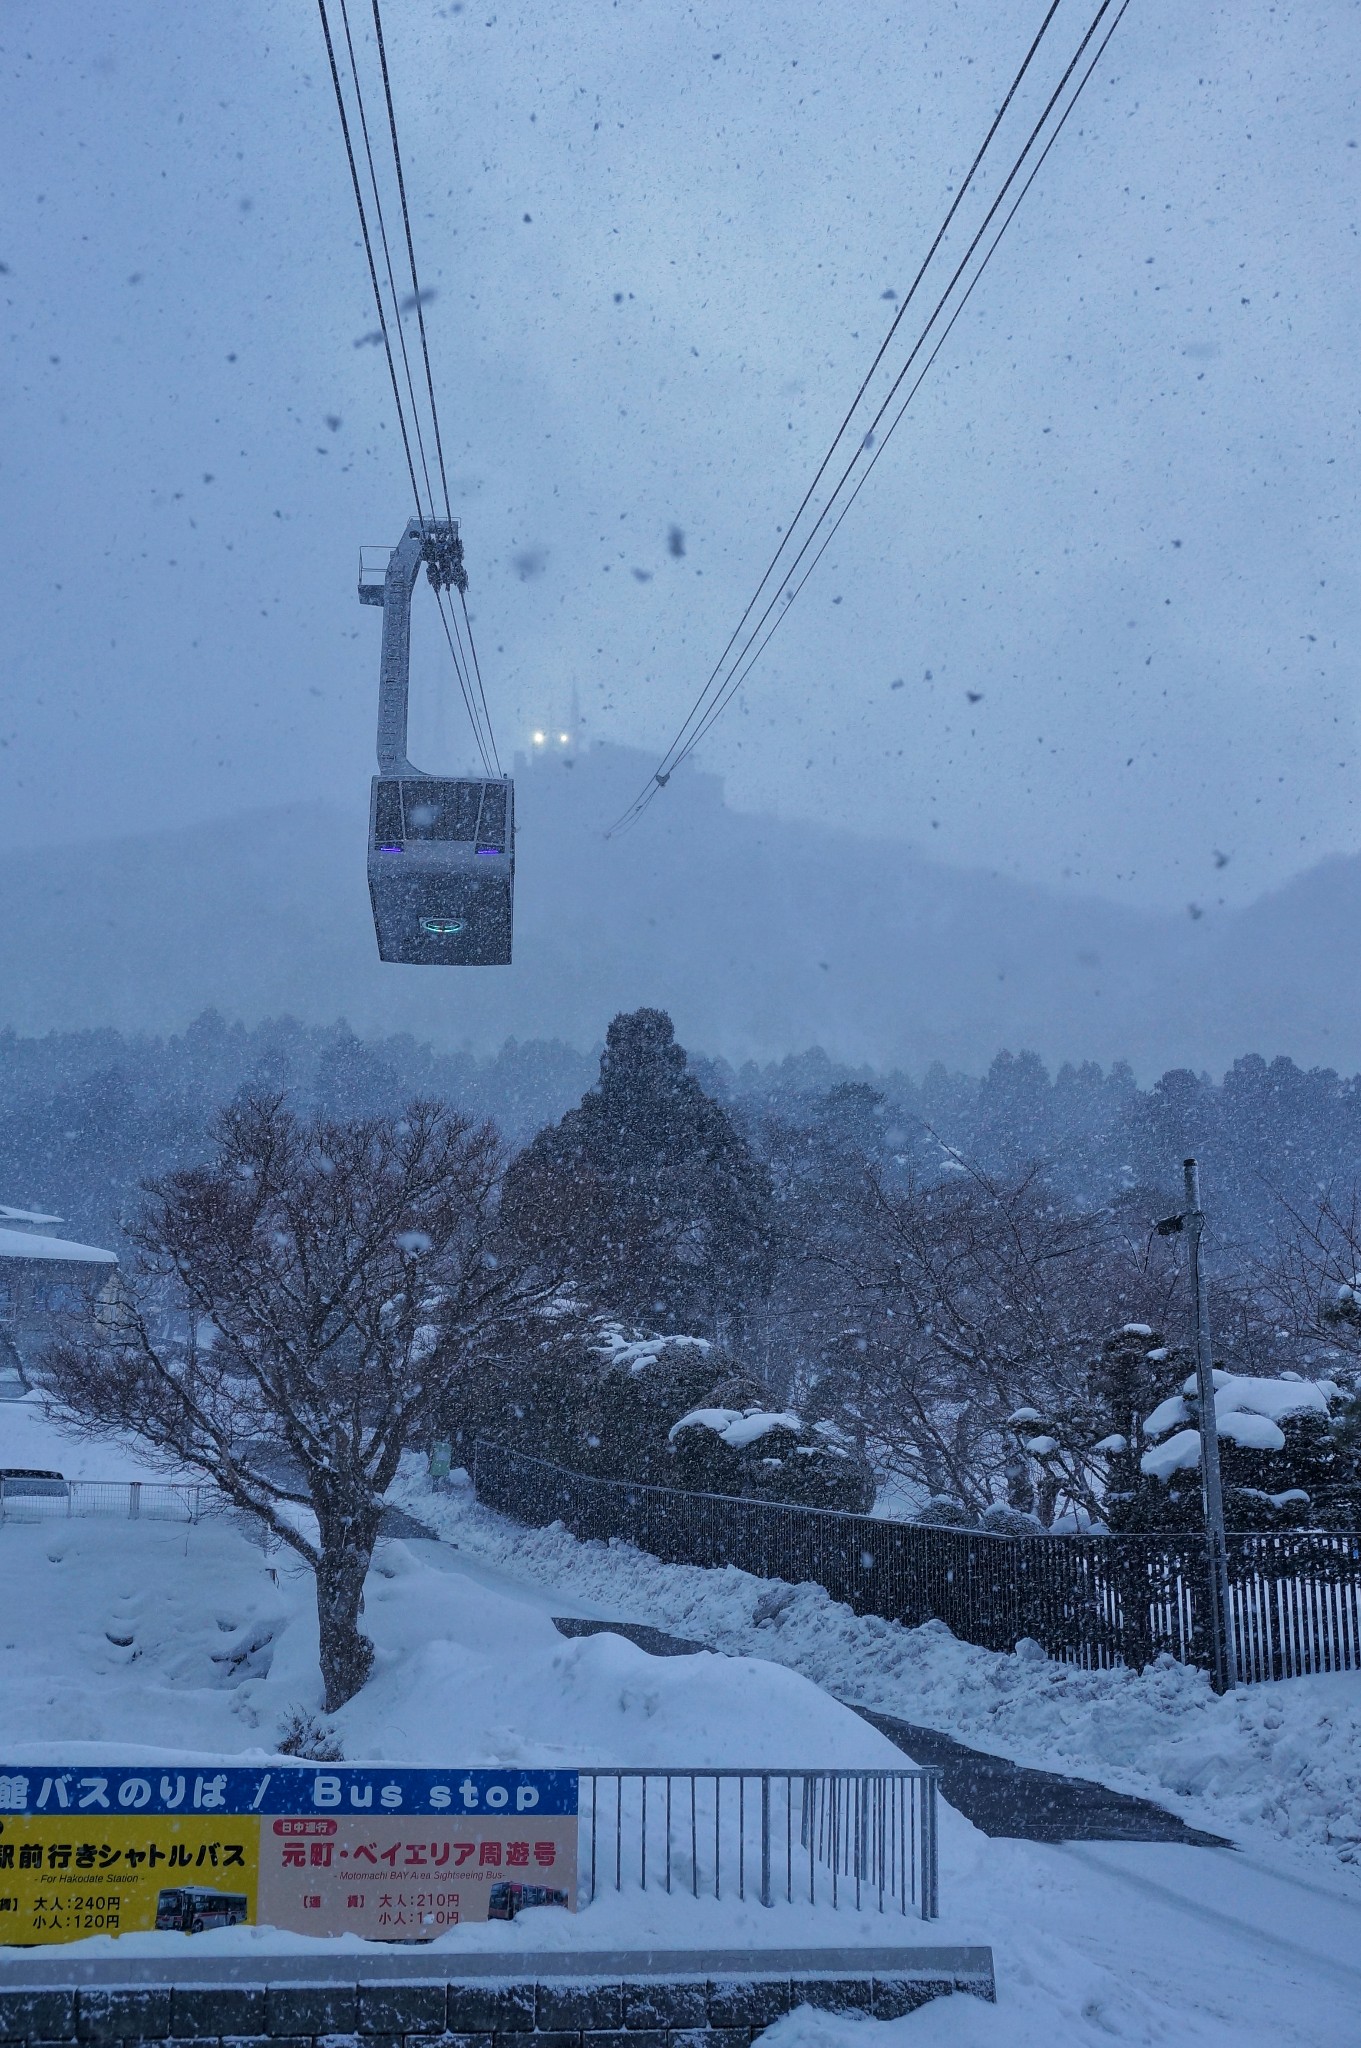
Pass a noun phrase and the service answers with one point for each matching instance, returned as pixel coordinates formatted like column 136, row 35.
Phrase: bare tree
column 1310, row 1282
column 967, row 1300
column 337, row 1277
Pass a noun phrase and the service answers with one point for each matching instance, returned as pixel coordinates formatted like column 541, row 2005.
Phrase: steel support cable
column 387, row 259
column 882, row 351
column 477, row 670
column 460, row 667
column 751, row 661
column 683, row 745
column 423, row 517
column 368, row 250
column 459, row 671
column 465, row 671
column 425, row 351
column 410, row 247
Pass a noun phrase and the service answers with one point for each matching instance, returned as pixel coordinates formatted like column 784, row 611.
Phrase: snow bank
column 180, row 1636
column 159, row 1642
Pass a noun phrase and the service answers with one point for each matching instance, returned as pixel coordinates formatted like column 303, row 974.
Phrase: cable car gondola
column 441, row 854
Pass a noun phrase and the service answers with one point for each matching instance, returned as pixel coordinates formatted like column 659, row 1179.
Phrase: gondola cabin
column 441, row 854
column 441, row 870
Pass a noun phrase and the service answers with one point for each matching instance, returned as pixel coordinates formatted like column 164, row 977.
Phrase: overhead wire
column 479, row 716
column 750, row 663
column 482, row 728
column 421, row 512
column 368, row 247
column 735, row 682
column 712, row 700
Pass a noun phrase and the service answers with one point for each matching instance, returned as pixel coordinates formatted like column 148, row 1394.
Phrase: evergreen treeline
column 86, row 1116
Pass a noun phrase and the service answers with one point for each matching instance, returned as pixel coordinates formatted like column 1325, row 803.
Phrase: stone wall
column 618, row 2001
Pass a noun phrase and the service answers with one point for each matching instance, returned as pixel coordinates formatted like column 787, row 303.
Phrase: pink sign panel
column 406, row 1877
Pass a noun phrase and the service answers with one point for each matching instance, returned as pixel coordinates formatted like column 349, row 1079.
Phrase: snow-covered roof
column 28, row 1244
column 25, row 1216
column 736, row 1426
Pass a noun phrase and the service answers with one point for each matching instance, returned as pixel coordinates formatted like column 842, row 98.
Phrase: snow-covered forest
column 946, row 1297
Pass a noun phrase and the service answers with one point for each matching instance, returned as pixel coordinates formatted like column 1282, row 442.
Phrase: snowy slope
column 157, row 1641
column 1272, row 1762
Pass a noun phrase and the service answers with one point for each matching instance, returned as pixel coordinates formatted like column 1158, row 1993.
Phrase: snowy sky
column 1124, row 511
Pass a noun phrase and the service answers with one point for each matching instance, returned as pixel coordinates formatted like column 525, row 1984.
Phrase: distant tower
column 558, row 738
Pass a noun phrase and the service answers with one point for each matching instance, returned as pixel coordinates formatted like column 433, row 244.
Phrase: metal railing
column 1095, row 1601
column 845, row 1838
column 34, row 1500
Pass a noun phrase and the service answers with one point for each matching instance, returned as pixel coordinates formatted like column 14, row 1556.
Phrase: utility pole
column 1223, row 1656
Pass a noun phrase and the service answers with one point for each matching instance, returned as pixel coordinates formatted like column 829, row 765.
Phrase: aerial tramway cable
column 728, row 674
column 425, row 351
column 747, row 659
column 714, row 712
column 466, row 670
column 440, row 849
column 455, row 652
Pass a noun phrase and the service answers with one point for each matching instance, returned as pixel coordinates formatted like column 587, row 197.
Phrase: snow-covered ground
column 145, row 1641
column 30, row 1440
column 1271, row 1764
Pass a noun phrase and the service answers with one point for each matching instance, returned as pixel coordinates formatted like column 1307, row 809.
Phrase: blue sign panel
column 334, row 1789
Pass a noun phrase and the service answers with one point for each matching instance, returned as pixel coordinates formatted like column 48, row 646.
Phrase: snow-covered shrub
column 1000, row 1520
column 738, row 1442
column 944, row 1512
column 303, row 1733
column 1289, row 1452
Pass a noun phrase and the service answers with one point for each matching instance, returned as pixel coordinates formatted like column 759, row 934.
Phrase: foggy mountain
column 761, row 937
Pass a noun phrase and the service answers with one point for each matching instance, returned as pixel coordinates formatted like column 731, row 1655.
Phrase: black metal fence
column 1089, row 1600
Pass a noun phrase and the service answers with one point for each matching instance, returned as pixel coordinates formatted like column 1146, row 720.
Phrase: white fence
column 37, row 1499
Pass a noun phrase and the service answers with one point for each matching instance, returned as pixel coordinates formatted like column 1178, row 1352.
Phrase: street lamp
column 1191, row 1219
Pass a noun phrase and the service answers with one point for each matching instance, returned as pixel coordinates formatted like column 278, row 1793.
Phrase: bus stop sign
column 396, row 1855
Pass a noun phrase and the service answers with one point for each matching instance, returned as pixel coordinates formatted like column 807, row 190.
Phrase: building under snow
column 48, row 1287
